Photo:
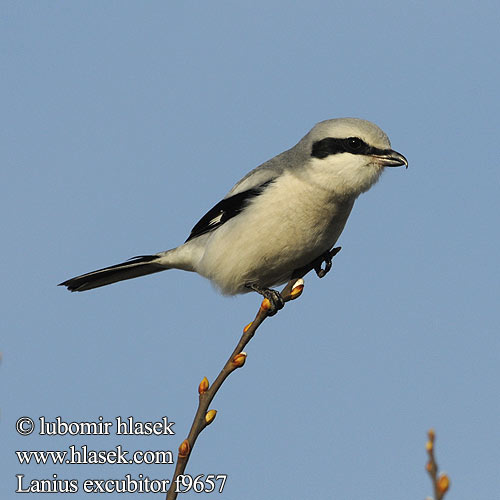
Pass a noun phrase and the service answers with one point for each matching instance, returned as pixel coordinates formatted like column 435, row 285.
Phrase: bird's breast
column 286, row 227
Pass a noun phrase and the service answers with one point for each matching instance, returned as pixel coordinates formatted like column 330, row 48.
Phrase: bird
column 280, row 217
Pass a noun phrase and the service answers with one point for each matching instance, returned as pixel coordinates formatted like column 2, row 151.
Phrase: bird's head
column 347, row 155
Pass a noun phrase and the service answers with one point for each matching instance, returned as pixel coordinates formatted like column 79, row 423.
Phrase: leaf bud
column 210, row 416
column 239, row 359
column 443, row 483
column 184, row 449
column 204, row 385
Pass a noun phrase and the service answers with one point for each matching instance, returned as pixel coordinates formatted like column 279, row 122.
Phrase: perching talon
column 273, row 296
column 327, row 259
column 320, row 272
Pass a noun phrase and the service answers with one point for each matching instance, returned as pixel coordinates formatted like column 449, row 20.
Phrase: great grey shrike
column 280, row 217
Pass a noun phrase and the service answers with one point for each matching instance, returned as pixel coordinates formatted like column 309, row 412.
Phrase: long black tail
column 133, row 268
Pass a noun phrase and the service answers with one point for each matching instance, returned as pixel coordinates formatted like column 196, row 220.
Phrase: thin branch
column 440, row 482
column 204, row 416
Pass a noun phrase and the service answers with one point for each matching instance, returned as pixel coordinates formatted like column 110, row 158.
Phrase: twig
column 440, row 482
column 207, row 392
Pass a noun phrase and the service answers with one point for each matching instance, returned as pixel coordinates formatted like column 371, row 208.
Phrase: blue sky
column 125, row 121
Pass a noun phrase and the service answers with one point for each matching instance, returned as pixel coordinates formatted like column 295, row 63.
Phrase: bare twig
column 207, row 392
column 440, row 482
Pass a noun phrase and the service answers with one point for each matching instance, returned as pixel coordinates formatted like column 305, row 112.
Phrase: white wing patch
column 216, row 219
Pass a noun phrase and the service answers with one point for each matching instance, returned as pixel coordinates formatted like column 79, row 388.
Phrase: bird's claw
column 321, row 272
column 275, row 300
column 274, row 297
column 326, row 258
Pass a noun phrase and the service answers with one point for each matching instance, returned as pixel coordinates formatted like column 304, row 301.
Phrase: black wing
column 225, row 210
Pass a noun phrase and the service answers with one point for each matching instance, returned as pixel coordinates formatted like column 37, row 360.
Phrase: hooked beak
column 391, row 158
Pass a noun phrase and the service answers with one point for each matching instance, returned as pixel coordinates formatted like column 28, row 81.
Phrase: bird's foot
column 317, row 264
column 274, row 297
column 326, row 258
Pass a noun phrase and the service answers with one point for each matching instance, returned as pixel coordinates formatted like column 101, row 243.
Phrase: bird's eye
column 354, row 144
